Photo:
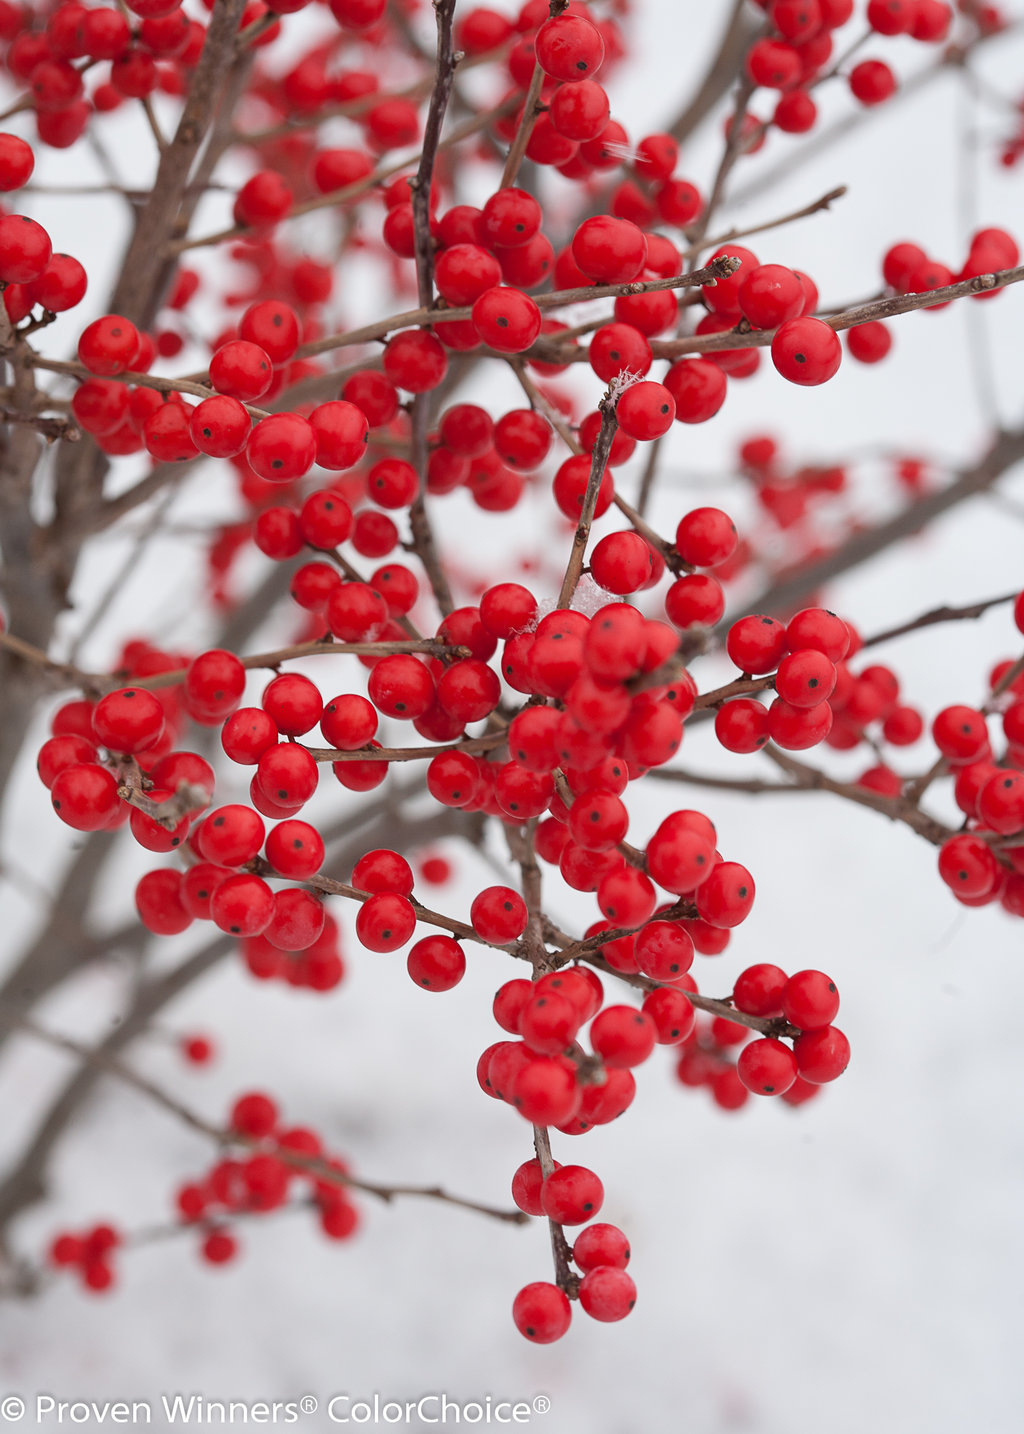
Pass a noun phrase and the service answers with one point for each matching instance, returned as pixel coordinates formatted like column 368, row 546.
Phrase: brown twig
column 308, row 1165
column 598, row 464
column 938, row 614
column 825, row 202
column 486, row 743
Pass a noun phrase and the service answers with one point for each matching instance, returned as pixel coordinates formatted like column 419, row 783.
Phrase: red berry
column 609, row 250
column 541, row 1312
column 646, row 411
column 872, row 82
column 767, row 1067
column 622, row 1036
column 498, row 914
column 807, row 351
column 437, row 963
column 506, row 319
column 24, row 250
column 569, row 48
column 810, row 1000
column 385, row 922
column 572, row 1195
column 698, row 388
column 821, row 1055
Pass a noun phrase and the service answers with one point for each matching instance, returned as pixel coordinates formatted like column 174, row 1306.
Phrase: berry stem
column 598, row 464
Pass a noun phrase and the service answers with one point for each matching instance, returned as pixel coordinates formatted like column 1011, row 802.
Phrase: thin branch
column 598, row 464
column 459, row 929
column 319, row 1168
column 73, row 676
column 939, row 614
column 420, row 184
column 825, row 202
column 1006, row 451
column 736, row 40
column 486, row 743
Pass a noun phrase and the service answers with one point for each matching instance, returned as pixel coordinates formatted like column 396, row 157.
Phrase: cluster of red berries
column 32, row 275
column 907, row 269
column 985, row 862
column 259, row 1176
column 796, row 55
column 89, row 1254
column 806, row 1003
column 571, row 1195
column 540, row 1075
column 579, row 703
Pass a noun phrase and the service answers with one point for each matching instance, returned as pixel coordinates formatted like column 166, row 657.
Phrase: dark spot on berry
column 502, row 322
column 742, row 892
column 800, row 358
column 207, row 432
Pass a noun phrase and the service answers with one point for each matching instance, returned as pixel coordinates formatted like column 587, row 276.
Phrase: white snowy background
column 852, row 1264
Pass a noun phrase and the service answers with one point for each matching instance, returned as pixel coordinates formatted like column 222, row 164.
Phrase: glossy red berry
column 241, row 370
column 108, row 345
column 385, row 922
column 767, row 1067
column 968, row 866
column 569, row 48
column 16, row 162
column 437, row 963
column 572, row 1195
column 646, row 411
column 821, row 1055
column 756, row 643
column 282, row 447
column 726, row 897
column 698, row 388
column 742, row 725
column 609, row 250
column 506, row 319
column 622, row 1036
column 498, row 914
column 415, row 360
column 24, row 249
column 960, row 733
column 219, row 426
column 810, row 1000
column 807, row 351
column 541, row 1312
